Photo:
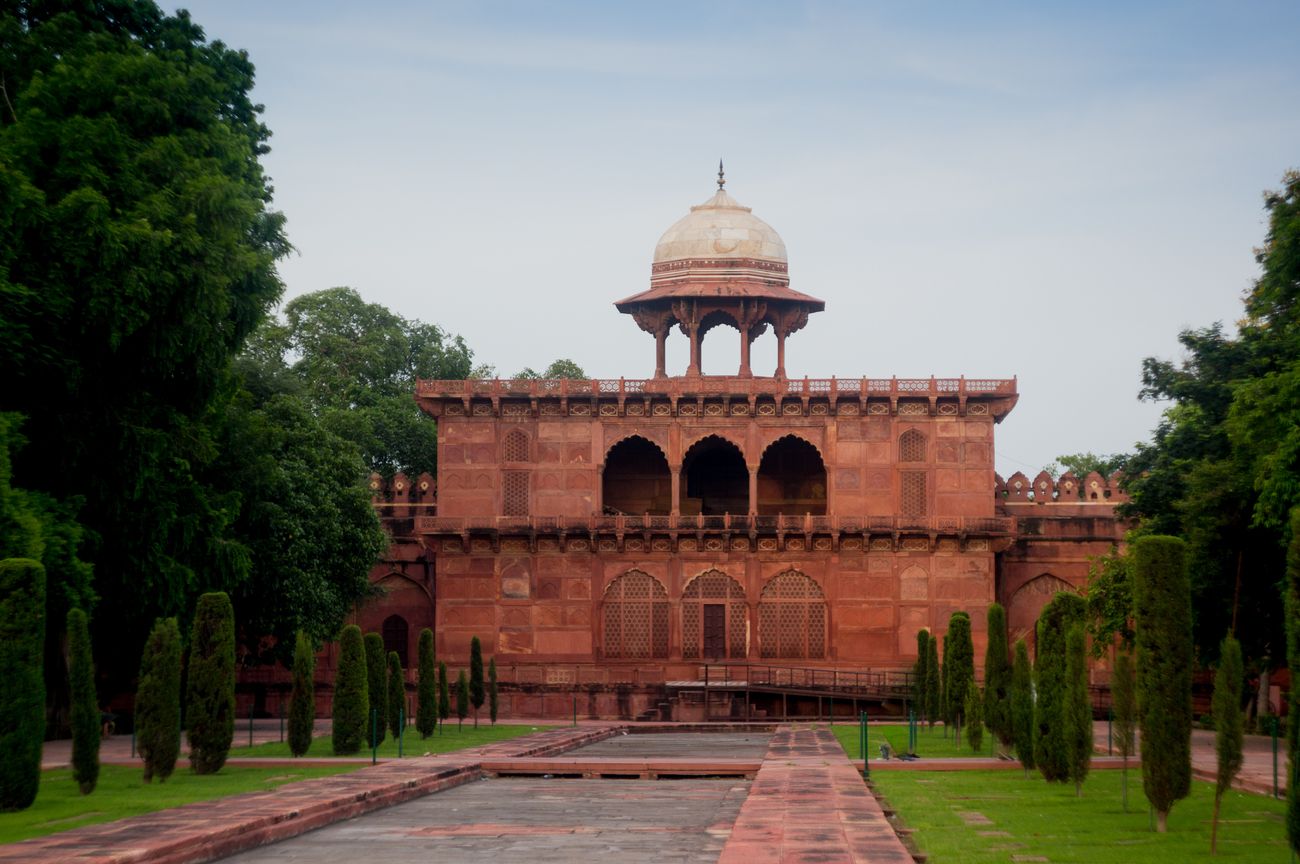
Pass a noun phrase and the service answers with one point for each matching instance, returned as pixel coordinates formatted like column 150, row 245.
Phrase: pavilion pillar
column 744, row 354
column 661, row 359
column 676, row 471
column 598, row 497
column 780, row 353
column 695, row 365
column 753, row 492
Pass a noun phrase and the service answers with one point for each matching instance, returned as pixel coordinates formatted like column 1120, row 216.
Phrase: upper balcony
column 718, row 385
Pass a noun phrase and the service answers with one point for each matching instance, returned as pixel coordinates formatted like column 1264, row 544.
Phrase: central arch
column 714, row 619
column 715, row 479
column 791, row 478
column 636, row 479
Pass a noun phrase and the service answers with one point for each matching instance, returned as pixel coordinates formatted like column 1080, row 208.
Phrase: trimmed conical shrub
column 1123, row 694
column 210, row 684
column 86, row 726
column 444, row 693
column 997, row 679
column 22, row 705
column 1022, row 707
column 302, row 701
column 1227, row 727
column 492, row 690
column 158, row 701
column 1051, row 753
column 462, row 698
column 396, row 695
column 351, row 695
column 476, row 689
column 1292, row 598
column 959, row 671
column 1076, row 716
column 377, row 687
column 974, row 718
column 426, row 708
column 918, row 673
column 933, row 682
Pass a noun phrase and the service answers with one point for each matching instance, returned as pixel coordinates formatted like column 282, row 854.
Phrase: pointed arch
column 912, row 446
column 514, row 447
column 792, row 618
column 636, row 478
column 715, row 478
column 396, row 634
column 792, row 478
column 634, row 614
column 715, row 620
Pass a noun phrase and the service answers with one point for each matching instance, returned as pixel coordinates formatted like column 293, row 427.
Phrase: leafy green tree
column 158, row 701
column 959, row 671
column 351, row 693
column 210, row 683
column 1227, row 727
column 1076, row 708
column 376, row 686
column 492, row 690
column 1022, row 707
column 558, row 369
column 302, row 701
column 396, row 695
column 1291, row 596
column 1123, row 692
column 426, row 711
column 444, row 693
column 946, row 708
column 476, row 691
column 1163, row 622
column 462, row 699
column 1109, row 601
column 997, row 679
column 1051, row 748
column 974, row 723
column 22, row 707
column 132, row 267
column 1082, row 464
column 86, row 725
column 918, row 672
column 933, row 681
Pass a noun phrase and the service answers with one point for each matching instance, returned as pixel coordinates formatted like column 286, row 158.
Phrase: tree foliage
column 462, row 698
column 426, row 708
column 933, row 682
column 959, row 668
column 1076, row 708
column 492, row 690
column 1163, row 622
column 558, row 369
column 1109, row 601
column 1227, row 727
column 476, row 689
column 1082, row 464
column 997, row 678
column 377, row 688
column 444, row 692
column 1291, row 597
column 210, row 683
column 302, row 700
column 1051, row 748
column 1123, row 693
column 918, row 672
column 351, row 693
column 974, row 718
column 22, row 707
column 1022, row 706
column 396, row 695
column 158, row 701
column 86, row 725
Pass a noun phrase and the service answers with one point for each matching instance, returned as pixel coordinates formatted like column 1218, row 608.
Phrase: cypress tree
column 1292, row 599
column 210, row 685
column 959, row 672
column 462, row 699
column 86, row 726
column 918, row 673
column 1123, row 695
column 1227, row 726
column 492, row 690
column 1162, row 612
column 974, row 723
column 945, row 708
column 396, row 695
column 933, row 681
column 426, row 708
column 1051, row 753
column 1022, row 707
column 1076, row 708
column 302, row 701
column 444, row 693
column 351, row 694
column 158, row 701
column 22, row 707
column 997, row 679
column 476, row 690
column 376, row 687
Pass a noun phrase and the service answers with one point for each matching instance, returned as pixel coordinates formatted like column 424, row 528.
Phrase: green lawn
column 412, row 745
column 121, row 793
column 930, row 743
column 1048, row 820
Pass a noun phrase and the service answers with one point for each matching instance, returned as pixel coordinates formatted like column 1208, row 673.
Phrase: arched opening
column 719, row 361
column 635, row 616
column 792, row 618
column 762, row 353
column 791, row 478
column 396, row 635
column 714, row 620
column 715, row 479
column 911, row 446
column 1026, row 604
column 636, row 479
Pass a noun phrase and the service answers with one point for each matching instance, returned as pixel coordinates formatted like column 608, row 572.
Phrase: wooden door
column 715, row 630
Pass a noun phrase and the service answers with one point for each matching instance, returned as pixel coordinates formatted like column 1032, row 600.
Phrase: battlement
column 398, row 497
column 1067, row 489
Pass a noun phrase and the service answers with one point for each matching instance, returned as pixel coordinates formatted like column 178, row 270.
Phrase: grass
column 1048, row 820
column 412, row 745
column 59, row 806
column 930, row 743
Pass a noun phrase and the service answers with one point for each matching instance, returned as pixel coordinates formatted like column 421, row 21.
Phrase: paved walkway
column 1257, row 765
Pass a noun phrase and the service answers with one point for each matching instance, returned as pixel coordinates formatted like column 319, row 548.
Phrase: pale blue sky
column 1043, row 190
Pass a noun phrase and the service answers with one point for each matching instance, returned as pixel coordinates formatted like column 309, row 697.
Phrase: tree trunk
column 1214, row 824
column 1162, row 821
column 1123, row 779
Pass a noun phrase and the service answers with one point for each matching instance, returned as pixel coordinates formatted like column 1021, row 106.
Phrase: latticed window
column 515, row 447
column 792, row 618
column 635, row 613
column 911, row 446
column 912, row 493
column 514, row 493
column 396, row 635
column 714, row 621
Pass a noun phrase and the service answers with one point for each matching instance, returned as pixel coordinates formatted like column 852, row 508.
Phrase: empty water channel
column 649, row 796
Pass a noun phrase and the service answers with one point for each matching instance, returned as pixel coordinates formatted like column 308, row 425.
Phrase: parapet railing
column 717, row 385
column 864, row 681
column 796, row 524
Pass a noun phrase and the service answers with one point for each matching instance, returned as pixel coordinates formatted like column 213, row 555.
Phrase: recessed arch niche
column 715, row 479
column 636, row 479
column 791, row 478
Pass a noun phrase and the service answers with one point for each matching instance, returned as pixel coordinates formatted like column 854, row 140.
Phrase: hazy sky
column 988, row 189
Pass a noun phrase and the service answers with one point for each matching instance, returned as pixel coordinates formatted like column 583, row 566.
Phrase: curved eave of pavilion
column 721, row 288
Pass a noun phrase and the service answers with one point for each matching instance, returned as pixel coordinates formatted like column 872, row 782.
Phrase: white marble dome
column 720, row 228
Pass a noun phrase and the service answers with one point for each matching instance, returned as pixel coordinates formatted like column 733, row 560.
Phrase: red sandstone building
column 609, row 537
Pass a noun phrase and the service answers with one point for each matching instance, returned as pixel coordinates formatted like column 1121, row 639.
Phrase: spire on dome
column 722, row 179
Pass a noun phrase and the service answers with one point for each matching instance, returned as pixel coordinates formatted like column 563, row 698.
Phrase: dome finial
column 722, row 179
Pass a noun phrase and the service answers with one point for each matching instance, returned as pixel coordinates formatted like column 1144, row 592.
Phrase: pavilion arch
column 791, row 478
column 396, row 633
column 912, row 446
column 634, row 617
column 715, row 478
column 711, row 321
column 715, row 621
column 1027, row 602
column 792, row 618
column 636, row 478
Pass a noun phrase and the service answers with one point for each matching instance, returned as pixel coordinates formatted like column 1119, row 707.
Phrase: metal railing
column 893, row 682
